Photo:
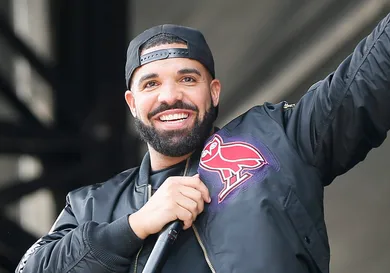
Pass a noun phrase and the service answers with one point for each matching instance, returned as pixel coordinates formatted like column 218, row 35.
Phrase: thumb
column 196, row 175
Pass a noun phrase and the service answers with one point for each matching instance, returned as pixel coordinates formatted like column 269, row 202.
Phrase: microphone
column 166, row 239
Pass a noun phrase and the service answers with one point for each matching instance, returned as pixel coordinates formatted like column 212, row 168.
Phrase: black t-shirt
column 186, row 254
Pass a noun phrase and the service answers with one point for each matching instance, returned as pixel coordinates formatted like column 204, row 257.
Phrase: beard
column 175, row 143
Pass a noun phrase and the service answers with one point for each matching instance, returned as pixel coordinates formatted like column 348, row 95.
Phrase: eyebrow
column 180, row 72
column 189, row 71
column 147, row 77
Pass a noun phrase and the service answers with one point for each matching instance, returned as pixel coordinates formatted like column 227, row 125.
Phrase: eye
column 150, row 84
column 188, row 79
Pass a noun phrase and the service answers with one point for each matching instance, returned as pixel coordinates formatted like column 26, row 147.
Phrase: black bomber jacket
column 266, row 171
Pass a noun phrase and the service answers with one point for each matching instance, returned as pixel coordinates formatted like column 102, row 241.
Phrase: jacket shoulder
column 111, row 185
column 277, row 112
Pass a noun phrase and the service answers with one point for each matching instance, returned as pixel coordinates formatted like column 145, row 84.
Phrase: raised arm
column 86, row 248
column 347, row 114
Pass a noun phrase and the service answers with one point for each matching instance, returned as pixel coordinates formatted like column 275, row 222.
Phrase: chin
column 176, row 133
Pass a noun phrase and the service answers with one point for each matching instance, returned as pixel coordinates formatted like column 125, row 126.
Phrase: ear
column 130, row 100
column 215, row 87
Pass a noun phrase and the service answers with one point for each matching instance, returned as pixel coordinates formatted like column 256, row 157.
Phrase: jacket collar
column 144, row 171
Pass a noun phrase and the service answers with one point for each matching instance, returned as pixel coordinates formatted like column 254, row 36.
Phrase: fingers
column 184, row 213
column 188, row 204
column 178, row 198
column 194, row 195
column 196, row 183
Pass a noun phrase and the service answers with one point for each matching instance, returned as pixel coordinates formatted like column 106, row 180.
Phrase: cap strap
column 164, row 54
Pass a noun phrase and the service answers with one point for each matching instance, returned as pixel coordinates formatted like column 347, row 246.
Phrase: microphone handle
column 166, row 238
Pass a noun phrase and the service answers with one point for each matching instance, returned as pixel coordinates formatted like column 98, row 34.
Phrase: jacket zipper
column 149, row 189
column 136, row 259
column 203, row 248
column 196, row 230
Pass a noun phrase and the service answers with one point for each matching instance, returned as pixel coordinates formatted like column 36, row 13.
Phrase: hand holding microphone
column 179, row 198
column 173, row 207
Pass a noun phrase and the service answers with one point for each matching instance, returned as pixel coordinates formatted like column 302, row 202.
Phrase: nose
column 169, row 94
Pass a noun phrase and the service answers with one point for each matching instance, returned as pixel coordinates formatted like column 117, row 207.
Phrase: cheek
column 144, row 105
column 208, row 101
column 141, row 112
column 204, row 106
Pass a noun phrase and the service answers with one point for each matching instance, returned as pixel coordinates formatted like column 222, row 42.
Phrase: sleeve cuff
column 113, row 243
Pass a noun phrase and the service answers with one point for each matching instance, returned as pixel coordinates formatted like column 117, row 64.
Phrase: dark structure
column 88, row 141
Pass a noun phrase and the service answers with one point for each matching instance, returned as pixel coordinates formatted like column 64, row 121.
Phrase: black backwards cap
column 197, row 49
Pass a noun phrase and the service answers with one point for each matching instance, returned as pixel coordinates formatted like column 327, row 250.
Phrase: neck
column 159, row 161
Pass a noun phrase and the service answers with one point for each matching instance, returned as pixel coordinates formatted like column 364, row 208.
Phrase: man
column 250, row 195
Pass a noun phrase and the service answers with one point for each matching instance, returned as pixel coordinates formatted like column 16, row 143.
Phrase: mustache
column 177, row 105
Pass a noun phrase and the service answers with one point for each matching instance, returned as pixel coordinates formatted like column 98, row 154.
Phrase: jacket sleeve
column 341, row 118
column 86, row 248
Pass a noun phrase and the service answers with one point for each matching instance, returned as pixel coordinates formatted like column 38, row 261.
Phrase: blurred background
column 64, row 123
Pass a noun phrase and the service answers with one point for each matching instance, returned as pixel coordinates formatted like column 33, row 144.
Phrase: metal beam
column 60, row 178
column 44, row 68
column 26, row 139
column 10, row 94
column 92, row 70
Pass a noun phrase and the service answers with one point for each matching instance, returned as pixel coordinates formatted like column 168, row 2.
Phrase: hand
column 179, row 197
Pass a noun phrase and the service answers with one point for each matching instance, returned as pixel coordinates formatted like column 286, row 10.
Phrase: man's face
column 173, row 102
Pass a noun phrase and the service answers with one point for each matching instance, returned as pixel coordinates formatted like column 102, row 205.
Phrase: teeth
column 173, row 117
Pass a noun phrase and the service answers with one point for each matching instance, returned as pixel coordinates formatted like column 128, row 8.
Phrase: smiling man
column 250, row 195
column 173, row 102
